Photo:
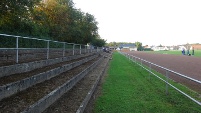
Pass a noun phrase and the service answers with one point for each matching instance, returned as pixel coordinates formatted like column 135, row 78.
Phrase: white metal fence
column 139, row 61
column 16, row 44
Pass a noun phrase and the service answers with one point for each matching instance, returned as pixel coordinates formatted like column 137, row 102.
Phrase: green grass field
column 176, row 52
column 128, row 89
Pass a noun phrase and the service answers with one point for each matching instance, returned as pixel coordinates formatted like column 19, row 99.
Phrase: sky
column 151, row 22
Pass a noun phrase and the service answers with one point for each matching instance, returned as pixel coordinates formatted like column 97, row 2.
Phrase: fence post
column 128, row 57
column 135, row 60
column 150, row 71
column 141, row 63
column 48, row 48
column 85, row 49
column 17, row 49
column 91, row 49
column 167, row 77
column 64, row 50
column 73, row 49
column 80, row 49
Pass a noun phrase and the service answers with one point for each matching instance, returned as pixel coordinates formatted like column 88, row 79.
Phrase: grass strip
column 127, row 89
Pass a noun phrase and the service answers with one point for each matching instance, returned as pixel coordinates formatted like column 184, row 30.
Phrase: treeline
column 117, row 44
column 113, row 44
column 50, row 19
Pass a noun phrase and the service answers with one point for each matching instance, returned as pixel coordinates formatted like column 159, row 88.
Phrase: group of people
column 187, row 52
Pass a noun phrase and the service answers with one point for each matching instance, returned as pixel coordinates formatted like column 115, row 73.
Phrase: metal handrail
column 174, row 87
column 17, row 48
column 15, row 36
column 23, row 37
column 182, row 75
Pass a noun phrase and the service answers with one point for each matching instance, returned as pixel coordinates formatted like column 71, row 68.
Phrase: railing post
column 17, row 49
column 135, row 60
column 167, row 77
column 150, row 71
column 85, row 49
column 73, row 49
column 64, row 50
column 48, row 49
column 128, row 57
column 80, row 49
column 91, row 49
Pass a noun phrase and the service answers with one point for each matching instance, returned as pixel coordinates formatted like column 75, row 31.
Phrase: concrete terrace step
column 18, row 85
column 25, row 67
column 77, row 98
column 41, row 95
column 8, row 56
column 15, row 77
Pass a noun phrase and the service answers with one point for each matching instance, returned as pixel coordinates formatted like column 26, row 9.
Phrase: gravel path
column 187, row 65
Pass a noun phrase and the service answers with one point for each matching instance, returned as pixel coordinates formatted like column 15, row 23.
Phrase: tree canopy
column 55, row 19
column 116, row 44
column 139, row 46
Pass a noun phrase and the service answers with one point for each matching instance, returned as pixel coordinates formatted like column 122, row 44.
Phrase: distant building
column 147, row 48
column 130, row 47
column 112, row 48
column 190, row 47
column 170, row 47
column 196, row 46
column 182, row 47
column 160, row 48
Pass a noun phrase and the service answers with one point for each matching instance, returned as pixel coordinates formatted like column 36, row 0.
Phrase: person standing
column 183, row 51
column 193, row 51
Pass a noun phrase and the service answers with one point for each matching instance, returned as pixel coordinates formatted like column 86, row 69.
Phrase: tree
column 98, row 42
column 56, row 19
column 83, row 27
column 15, row 15
column 112, row 44
column 138, row 45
